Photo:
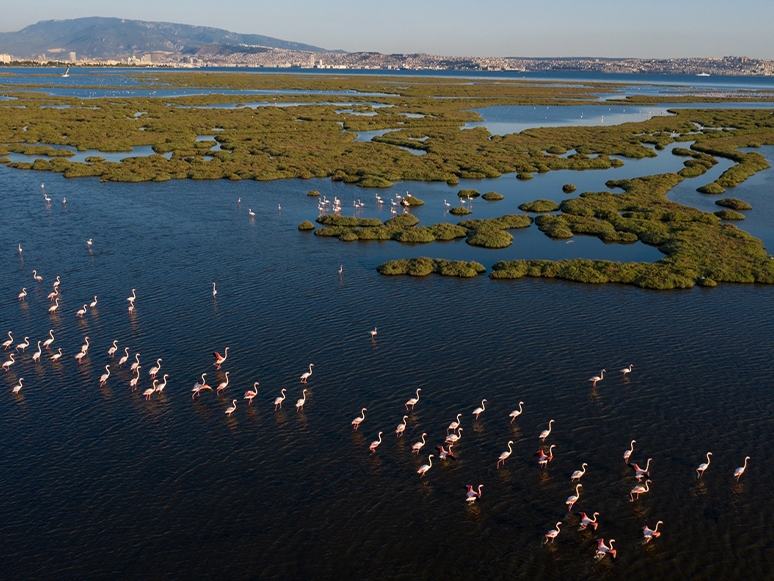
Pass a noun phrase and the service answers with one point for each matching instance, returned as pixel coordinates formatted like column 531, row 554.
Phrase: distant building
column 5, row 58
column 72, row 57
column 146, row 58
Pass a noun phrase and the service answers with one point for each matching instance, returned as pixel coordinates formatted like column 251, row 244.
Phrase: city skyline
column 598, row 28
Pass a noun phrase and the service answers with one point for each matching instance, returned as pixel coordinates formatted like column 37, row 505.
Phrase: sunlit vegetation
column 524, row 175
column 424, row 266
column 539, row 206
column 306, row 225
column 460, row 211
column 468, row 193
column 734, row 204
column 412, row 201
column 569, row 188
column 493, row 197
column 313, row 193
column 729, row 215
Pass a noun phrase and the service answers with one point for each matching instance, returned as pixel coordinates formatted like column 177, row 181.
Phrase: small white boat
column 702, row 74
column 66, row 73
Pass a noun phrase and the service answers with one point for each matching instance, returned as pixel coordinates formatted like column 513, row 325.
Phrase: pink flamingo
column 375, row 444
column 553, row 533
column 597, row 378
column 627, row 453
column 588, row 522
column 278, row 401
column 412, row 402
column 425, row 467
column 651, row 534
column 543, row 458
column 219, row 359
column 473, row 495
column 504, row 456
column 401, row 427
column 417, row 446
column 603, row 549
column 251, row 393
column 739, row 471
column 358, row 420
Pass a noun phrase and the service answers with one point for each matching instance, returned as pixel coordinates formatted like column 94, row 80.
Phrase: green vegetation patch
column 348, row 221
column 729, row 215
column 734, row 204
column 468, row 193
column 569, row 188
column 493, row 197
column 490, row 239
column 412, row 201
column 539, row 206
column 313, row 193
column 445, row 231
column 306, row 225
column 711, row 188
column 424, row 266
column 524, row 175
column 460, row 211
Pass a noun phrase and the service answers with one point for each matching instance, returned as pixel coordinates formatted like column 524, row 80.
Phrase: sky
column 547, row 28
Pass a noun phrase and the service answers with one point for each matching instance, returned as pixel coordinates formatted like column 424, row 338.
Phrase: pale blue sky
column 617, row 28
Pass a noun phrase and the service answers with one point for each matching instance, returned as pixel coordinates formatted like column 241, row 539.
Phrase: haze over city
column 603, row 28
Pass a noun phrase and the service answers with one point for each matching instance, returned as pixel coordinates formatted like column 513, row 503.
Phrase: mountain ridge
column 106, row 37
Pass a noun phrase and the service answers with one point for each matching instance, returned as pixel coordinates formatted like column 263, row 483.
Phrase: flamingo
column 251, row 393
column 53, row 295
column 222, row 385
column 545, row 433
column 603, row 549
column 36, row 355
column 307, row 375
column 627, row 370
column 543, row 458
column 9, row 362
column 199, row 386
column 80, row 356
column 113, row 349
column 375, row 444
column 279, row 400
column 578, row 474
column 231, row 409
column 135, row 379
column 56, row 356
column 425, row 467
column 412, row 402
column 445, row 454
column 341, row 269
column 300, row 403
column 156, row 368
column 85, row 346
column 160, row 387
column 703, row 466
column 473, row 495
column 103, row 379
column 480, row 410
column 23, row 345
column 20, row 249
column 516, row 413
column 454, row 438
column 651, row 534
column 401, row 427
column 132, row 298
column 214, row 290
column 47, row 342
column 9, row 342
column 504, row 456
column 93, row 303
column 573, row 498
column 125, row 357
column 597, row 378
column 373, row 333
column 417, row 446
column 17, row 388
column 219, row 359
column 52, row 309
column 640, row 472
column 588, row 522
column 454, row 425
column 80, row 312
column 553, row 533
column 149, row 392
column 628, row 452
column 57, row 282
column 358, row 420
column 739, row 471
column 88, row 242
column 36, row 276
column 250, row 211
column 136, row 363
column 637, row 490
column 23, row 293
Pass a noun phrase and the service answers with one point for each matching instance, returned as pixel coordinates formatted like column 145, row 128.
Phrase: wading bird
column 160, row 387
column 251, row 393
column 17, row 387
column 103, row 379
column 628, row 452
column 220, row 359
column 113, row 349
column 199, row 386
column 454, row 438
column 222, row 385
column 37, row 354
column 300, row 403
column 36, row 276
column 231, row 409
column 603, row 549
column 413, row 401
column 479, row 411
column 401, row 427
column 597, row 378
column 9, row 362
column 155, row 369
column 637, row 490
column 454, row 425
column 473, row 495
column 553, row 533
column 445, row 454
column 585, row 521
column 9, row 342
column 52, row 309
column 135, row 379
column 124, row 358
column 93, row 303
column 214, row 290
column 578, row 474
column 136, row 363
column 80, row 312
column 504, row 456
column 425, row 467
column 308, row 374
column 373, row 333
column 23, row 345
column 357, row 421
column 573, row 498
column 545, row 433
column 56, row 356
column 640, row 473
column 543, row 458
column 375, row 444
column 516, row 413
column 417, row 446
column 703, row 466
column 22, row 294
column 651, row 534
column 47, row 342
column 279, row 400
column 739, row 471
column 627, row 370
column 149, row 392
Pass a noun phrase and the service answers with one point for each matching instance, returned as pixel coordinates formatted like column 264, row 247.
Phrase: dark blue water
column 100, row 483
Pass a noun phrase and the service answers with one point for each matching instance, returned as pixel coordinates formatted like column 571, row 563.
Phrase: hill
column 103, row 38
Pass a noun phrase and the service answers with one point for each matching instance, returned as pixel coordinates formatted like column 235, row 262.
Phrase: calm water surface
column 101, row 484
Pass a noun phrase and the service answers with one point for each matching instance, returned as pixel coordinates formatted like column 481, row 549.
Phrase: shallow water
column 100, row 483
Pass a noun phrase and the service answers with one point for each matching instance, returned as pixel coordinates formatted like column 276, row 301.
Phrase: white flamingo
column 80, row 312
column 149, row 392
column 454, row 425
column 135, row 379
column 36, row 276
column 103, row 379
column 637, row 490
column 23, row 294
column 8, row 342
column 93, row 303
column 47, row 342
column 586, row 521
column 375, row 444
column 545, row 433
column 132, row 298
column 413, row 401
column 553, row 533
column 85, row 346
column 425, row 467
column 279, row 400
column 231, row 409
column 124, row 358
column 223, row 384
column 359, row 419
column 373, row 333
column 214, row 290
column 703, row 466
column 417, row 446
column 220, row 359
column 597, row 378
column 251, row 393
column 739, row 471
column 113, row 349
column 308, row 374
column 603, row 549
column 504, row 456
column 156, row 368
column 454, row 438
column 23, row 345
column 136, row 363
column 478, row 411
column 56, row 356
column 473, row 495
column 651, row 534
column 573, row 498
column 10, row 361
column 17, row 388
column 160, row 387
column 627, row 454
column 80, row 356
column 578, row 474
column 401, row 427
column 627, row 370
column 300, row 403
column 516, row 413
column 52, row 309
column 543, row 458
column 37, row 354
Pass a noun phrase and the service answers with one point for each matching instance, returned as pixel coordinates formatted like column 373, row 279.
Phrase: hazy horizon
column 596, row 28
